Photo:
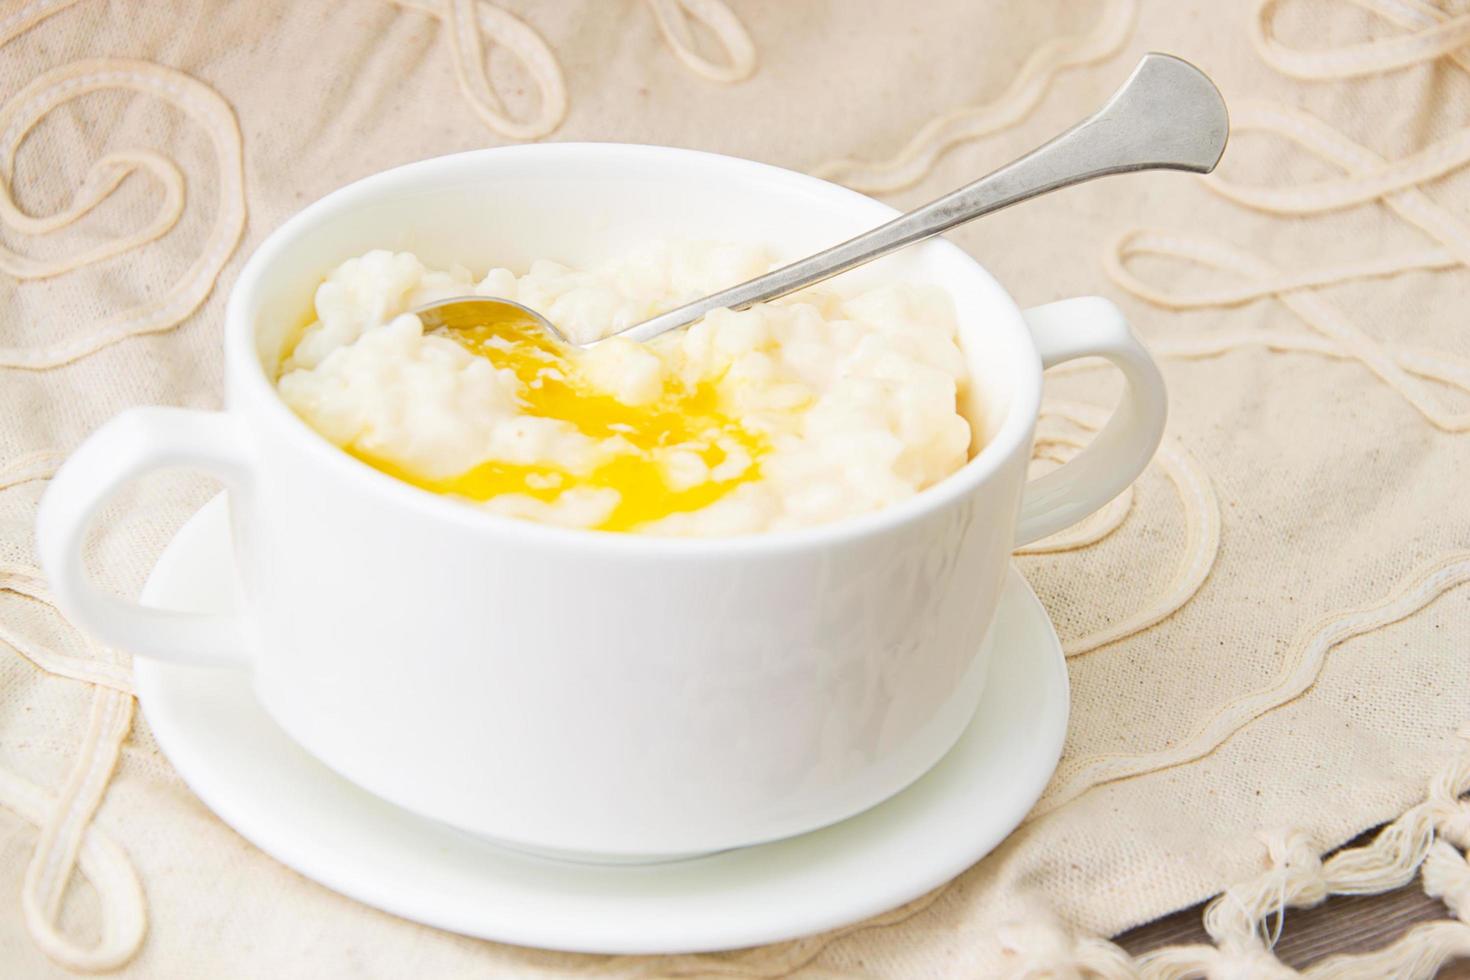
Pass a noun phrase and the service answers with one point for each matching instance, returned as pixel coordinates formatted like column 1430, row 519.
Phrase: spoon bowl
column 459, row 312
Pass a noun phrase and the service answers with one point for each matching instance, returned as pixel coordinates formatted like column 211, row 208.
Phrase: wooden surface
column 1342, row 924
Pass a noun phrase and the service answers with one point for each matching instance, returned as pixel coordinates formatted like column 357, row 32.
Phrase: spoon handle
column 1167, row 116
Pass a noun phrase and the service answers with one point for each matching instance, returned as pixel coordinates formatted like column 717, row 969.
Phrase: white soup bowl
column 611, row 695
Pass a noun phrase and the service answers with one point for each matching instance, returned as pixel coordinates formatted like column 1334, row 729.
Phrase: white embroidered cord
column 1401, row 370
column 20, row 114
column 27, row 581
column 27, row 15
column 1367, row 177
column 673, row 22
column 962, row 125
column 101, row 671
column 467, row 23
column 68, row 840
column 30, row 466
column 1058, row 448
column 65, row 832
column 1201, row 518
column 1435, row 34
column 1304, row 663
column 106, row 866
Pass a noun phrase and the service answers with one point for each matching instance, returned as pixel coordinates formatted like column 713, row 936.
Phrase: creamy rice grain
column 793, row 413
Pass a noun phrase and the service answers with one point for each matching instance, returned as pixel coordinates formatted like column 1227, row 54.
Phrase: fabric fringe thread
column 1246, row 921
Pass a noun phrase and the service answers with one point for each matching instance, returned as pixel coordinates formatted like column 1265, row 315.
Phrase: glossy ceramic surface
column 629, row 696
column 242, row 765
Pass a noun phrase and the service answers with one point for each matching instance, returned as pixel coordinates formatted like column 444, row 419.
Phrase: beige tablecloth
column 1268, row 637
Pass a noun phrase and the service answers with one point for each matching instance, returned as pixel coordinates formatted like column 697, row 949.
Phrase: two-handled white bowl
column 602, row 694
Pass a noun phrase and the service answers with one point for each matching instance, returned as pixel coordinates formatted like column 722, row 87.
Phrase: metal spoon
column 1167, row 116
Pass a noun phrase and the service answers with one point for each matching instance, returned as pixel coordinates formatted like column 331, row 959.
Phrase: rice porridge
column 810, row 409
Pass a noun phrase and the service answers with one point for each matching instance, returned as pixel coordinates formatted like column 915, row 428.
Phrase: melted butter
column 683, row 418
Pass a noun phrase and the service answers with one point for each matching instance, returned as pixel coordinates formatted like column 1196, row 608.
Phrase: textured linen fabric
column 1249, row 707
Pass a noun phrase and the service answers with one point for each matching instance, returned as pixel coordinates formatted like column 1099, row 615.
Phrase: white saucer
column 291, row 806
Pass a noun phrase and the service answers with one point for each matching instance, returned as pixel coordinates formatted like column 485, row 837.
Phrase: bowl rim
column 249, row 385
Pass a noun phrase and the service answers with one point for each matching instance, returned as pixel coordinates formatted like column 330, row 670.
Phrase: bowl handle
column 1090, row 326
column 136, row 442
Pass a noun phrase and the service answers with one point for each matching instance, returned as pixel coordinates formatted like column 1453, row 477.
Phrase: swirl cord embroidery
column 26, row 581
column 1303, row 665
column 1435, row 34
column 1367, row 177
column 1201, row 518
column 84, row 847
column 65, row 832
column 19, row 116
column 1397, row 367
column 27, row 15
column 967, row 123
column 1058, row 449
column 68, row 841
column 470, row 22
column 30, row 466
column 673, row 22
column 467, row 23
column 29, row 582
